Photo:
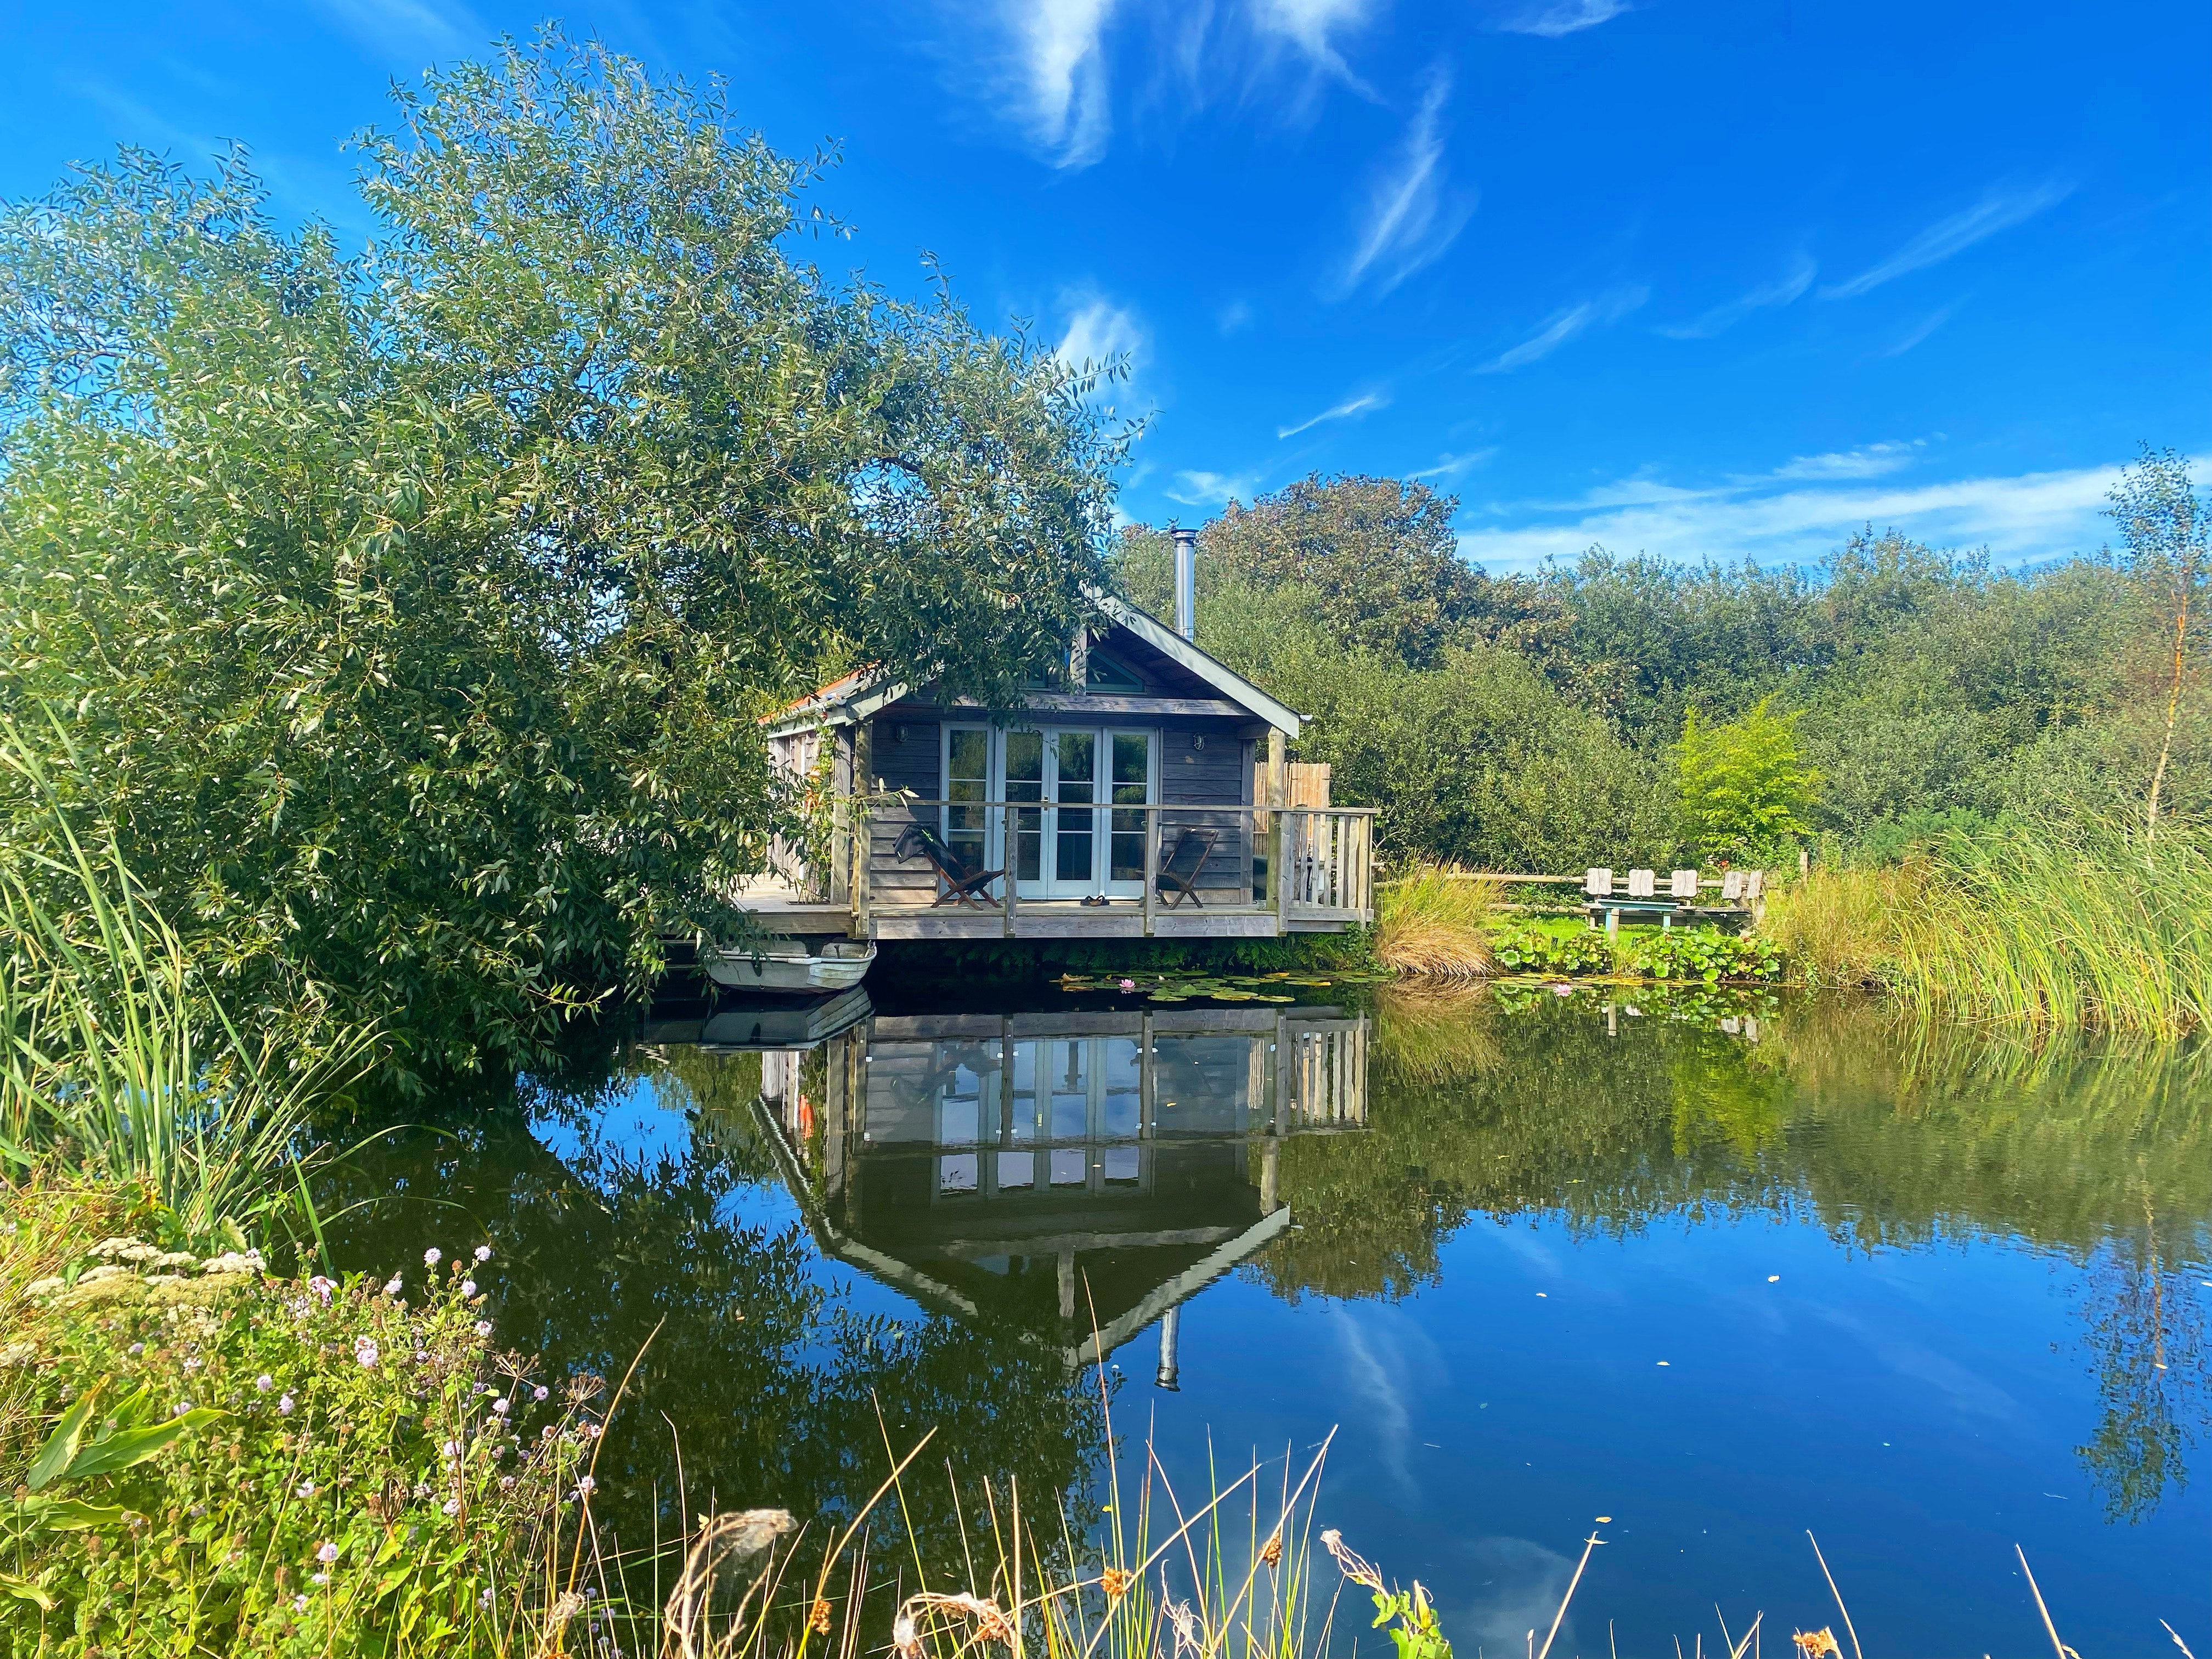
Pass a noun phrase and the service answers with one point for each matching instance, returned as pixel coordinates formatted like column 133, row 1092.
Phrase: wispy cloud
column 1102, row 336
column 1564, row 326
column 1413, row 214
column 408, row 26
column 1789, row 517
column 1867, row 461
column 1921, row 329
column 1233, row 317
column 1058, row 76
column 1351, row 409
column 1565, row 17
column 1450, row 466
column 1214, row 489
column 2000, row 208
column 1311, row 25
column 1726, row 316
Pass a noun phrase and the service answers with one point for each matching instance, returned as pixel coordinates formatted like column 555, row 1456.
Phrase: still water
column 1721, row 1274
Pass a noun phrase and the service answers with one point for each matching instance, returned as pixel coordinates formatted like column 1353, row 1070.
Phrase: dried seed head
column 1272, row 1551
column 1114, row 1582
column 818, row 1619
column 1817, row 1643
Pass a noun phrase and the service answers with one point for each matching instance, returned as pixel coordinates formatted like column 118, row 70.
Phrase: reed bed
column 1435, row 919
column 118, row 1064
column 2038, row 926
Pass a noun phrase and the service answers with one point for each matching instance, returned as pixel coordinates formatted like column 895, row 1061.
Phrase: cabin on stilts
column 1145, row 792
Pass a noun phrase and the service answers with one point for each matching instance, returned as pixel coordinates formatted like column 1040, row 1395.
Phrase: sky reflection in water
column 1536, row 1261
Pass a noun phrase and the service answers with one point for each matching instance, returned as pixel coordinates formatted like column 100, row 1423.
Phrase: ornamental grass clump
column 1435, row 921
column 254, row 1465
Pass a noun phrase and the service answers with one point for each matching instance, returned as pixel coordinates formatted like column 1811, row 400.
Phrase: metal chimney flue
column 1166, row 1376
column 1186, row 546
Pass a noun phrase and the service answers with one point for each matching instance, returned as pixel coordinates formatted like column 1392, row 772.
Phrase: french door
column 1076, row 831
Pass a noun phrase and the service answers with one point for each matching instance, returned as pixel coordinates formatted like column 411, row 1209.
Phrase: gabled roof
column 858, row 696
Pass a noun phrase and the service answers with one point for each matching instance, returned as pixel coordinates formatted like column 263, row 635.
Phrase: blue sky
column 1687, row 278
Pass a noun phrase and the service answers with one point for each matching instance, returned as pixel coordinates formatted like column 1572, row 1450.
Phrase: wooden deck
column 1281, row 870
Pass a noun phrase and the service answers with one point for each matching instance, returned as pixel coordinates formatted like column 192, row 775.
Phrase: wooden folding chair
column 1178, row 877
column 962, row 882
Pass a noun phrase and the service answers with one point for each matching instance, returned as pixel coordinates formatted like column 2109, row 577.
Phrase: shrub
column 1745, row 788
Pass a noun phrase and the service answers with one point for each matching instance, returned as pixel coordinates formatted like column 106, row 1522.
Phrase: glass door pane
column 967, row 787
column 1132, row 784
column 1025, row 782
column 1075, row 832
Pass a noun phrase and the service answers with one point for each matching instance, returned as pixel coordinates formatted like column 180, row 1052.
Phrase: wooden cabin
column 1143, row 792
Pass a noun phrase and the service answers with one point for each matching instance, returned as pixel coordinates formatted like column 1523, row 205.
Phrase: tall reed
column 2039, row 925
column 116, row 1064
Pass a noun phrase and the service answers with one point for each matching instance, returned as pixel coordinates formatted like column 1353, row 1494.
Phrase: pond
column 1721, row 1273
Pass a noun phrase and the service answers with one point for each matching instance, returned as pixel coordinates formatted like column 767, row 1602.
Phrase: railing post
column 864, row 857
column 1152, row 863
column 1278, row 869
column 1008, row 847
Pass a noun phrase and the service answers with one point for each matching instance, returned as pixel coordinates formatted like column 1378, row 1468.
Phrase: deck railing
column 1302, row 866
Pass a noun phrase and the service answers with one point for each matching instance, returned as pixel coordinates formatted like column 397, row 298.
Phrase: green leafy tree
column 1745, row 788
column 416, row 610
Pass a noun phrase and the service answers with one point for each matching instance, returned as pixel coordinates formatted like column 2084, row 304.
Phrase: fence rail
column 1300, row 866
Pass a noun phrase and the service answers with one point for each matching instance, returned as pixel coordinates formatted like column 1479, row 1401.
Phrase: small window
column 1107, row 675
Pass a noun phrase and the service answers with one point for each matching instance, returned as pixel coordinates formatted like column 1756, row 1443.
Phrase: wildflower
column 432, row 1256
column 299, row 1604
column 539, row 1393
column 304, row 1489
column 285, row 1404
column 506, row 1483
column 468, row 1287
column 393, row 1285
column 327, row 1553
column 450, row 1450
column 319, row 1578
column 585, row 1485
column 1128, row 985
column 264, row 1382
column 484, row 1596
column 322, row 1287
column 451, row 1506
column 499, row 1405
column 484, row 1327
column 1114, row 1582
column 818, row 1620
column 483, row 1253
column 592, row 1431
column 137, row 1348
column 193, row 1364
column 181, row 1409
column 365, row 1350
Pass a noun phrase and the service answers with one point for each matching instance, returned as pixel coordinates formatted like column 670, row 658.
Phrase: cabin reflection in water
column 1073, row 1178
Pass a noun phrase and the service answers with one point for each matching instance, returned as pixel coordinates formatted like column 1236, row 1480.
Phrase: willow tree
column 408, row 615
column 2163, row 523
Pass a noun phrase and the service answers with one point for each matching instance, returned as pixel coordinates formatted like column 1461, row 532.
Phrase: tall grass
column 2036, row 925
column 1435, row 919
column 116, row 1064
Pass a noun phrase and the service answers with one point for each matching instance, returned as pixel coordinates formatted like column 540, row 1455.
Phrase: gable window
column 1107, row 675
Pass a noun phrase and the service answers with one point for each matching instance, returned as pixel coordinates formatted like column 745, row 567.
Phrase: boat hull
column 793, row 971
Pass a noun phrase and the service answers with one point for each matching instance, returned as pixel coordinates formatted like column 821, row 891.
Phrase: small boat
column 796, row 967
column 785, row 1023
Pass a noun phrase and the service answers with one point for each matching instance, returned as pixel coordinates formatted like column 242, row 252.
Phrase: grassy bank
column 2040, row 926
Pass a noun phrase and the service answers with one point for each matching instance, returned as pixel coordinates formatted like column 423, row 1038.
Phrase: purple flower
column 322, row 1287
column 364, row 1349
column 539, row 1393
column 468, row 1287
column 392, row 1285
column 483, row 1252
column 500, row 1406
column 484, row 1327
column 586, row 1484
column 299, row 1603
column 264, row 1382
column 506, row 1483
column 285, row 1404
column 432, row 1256
column 451, row 1506
column 327, row 1553
column 307, row 1489
column 319, row 1578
